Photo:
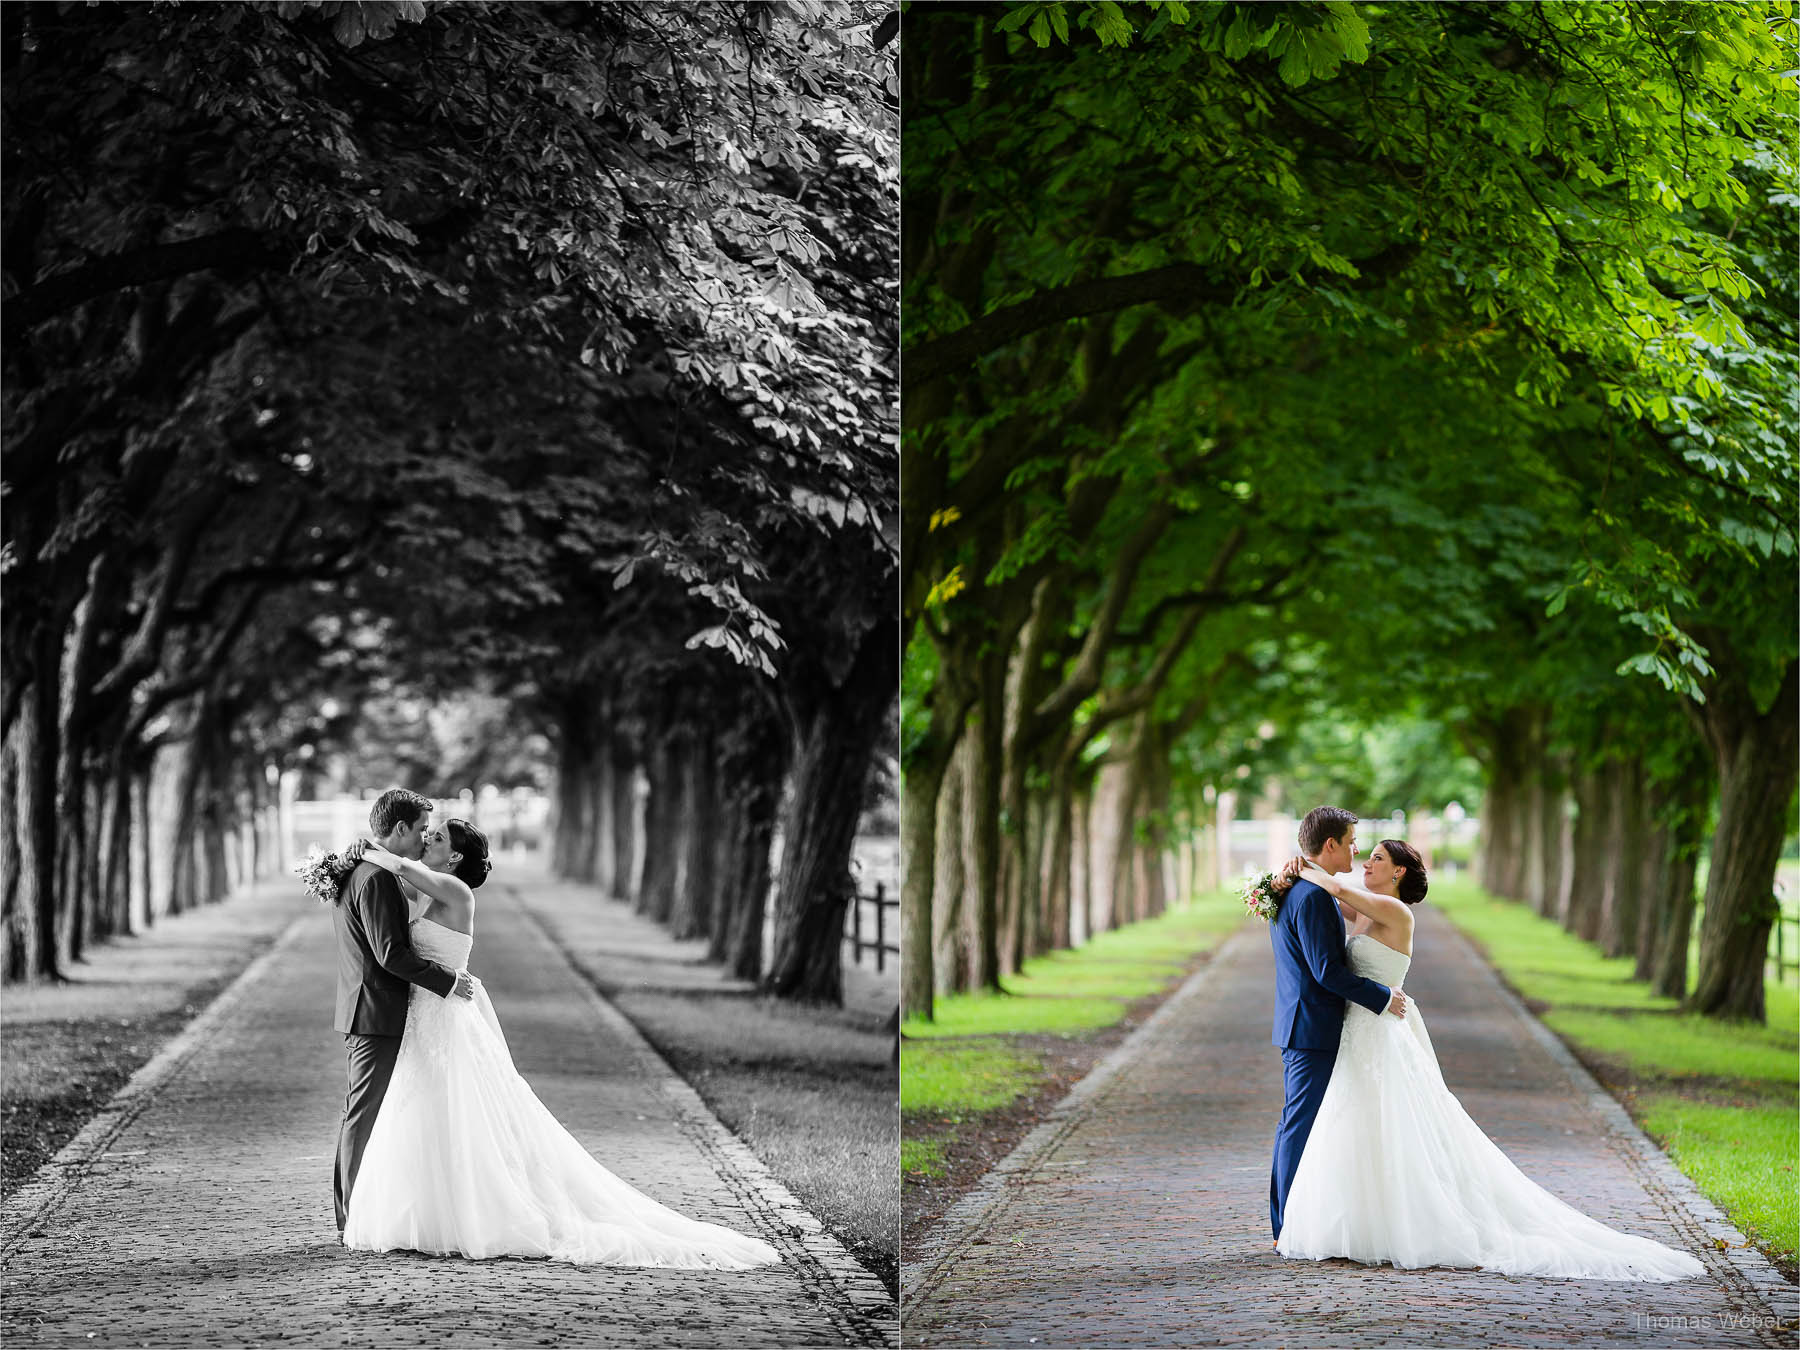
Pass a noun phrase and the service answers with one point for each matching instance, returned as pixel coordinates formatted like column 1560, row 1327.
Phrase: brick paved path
column 199, row 1212
column 1137, row 1214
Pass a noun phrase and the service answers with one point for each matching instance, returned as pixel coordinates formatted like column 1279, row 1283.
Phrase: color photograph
column 1349, row 709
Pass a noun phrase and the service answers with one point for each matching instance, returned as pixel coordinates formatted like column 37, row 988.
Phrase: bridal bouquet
column 1262, row 896
column 322, row 874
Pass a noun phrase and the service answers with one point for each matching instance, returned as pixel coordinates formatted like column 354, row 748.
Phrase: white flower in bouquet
column 1263, row 896
column 322, row 874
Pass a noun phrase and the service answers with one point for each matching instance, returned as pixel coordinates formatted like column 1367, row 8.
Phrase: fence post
column 880, row 924
column 856, row 942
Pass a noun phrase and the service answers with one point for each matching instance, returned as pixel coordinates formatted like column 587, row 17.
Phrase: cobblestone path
column 197, row 1209
column 1137, row 1214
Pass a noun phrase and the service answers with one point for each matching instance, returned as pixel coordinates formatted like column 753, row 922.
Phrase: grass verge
column 59, row 1075
column 811, row 1093
column 978, row 1075
column 1718, row 1096
column 68, row 1047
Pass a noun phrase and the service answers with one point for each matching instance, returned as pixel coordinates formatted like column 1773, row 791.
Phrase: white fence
column 511, row 821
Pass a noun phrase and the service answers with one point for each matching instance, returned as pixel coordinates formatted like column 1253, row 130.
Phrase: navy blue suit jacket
column 1311, row 978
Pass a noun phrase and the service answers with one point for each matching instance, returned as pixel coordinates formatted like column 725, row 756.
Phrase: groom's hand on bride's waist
column 466, row 985
column 1397, row 1004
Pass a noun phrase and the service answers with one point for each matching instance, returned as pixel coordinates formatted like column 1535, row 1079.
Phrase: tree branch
column 1090, row 664
column 1177, row 287
column 159, row 262
column 235, row 248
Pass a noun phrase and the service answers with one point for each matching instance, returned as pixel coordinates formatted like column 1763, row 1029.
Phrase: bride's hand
column 1320, row 878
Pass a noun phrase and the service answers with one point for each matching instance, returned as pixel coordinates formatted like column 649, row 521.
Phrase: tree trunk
column 1156, row 797
column 1546, row 804
column 627, row 847
column 1661, row 801
column 111, row 816
column 605, row 802
column 691, row 913
column 838, row 729
column 919, row 794
column 1755, row 753
column 1037, row 917
column 36, row 805
column 759, row 816
column 1129, row 899
column 143, row 853
column 1081, row 860
column 1669, row 968
column 982, row 797
column 1625, row 855
column 1691, row 794
column 662, row 824
column 184, row 863
column 573, row 809
column 15, row 917
column 952, row 951
column 1593, row 830
column 215, row 884
column 755, row 766
column 727, row 840
column 72, row 828
column 1059, row 859
column 1512, row 740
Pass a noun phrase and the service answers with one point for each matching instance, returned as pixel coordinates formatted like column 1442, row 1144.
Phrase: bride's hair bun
column 473, row 845
column 1414, row 884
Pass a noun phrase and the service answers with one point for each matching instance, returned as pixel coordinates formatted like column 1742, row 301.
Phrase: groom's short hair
column 1323, row 823
column 397, row 806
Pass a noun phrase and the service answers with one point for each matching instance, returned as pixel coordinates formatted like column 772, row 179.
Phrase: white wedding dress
column 1395, row 1171
column 465, row 1160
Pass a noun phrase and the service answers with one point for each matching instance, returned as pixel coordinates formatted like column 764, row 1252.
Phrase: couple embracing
column 444, row 1148
column 1375, row 1159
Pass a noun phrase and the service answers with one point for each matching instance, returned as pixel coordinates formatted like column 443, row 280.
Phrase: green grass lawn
column 1719, row 1096
column 949, row 1078
column 1065, row 993
column 964, row 1062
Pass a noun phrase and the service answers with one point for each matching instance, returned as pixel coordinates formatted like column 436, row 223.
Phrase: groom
column 376, row 967
column 1311, row 986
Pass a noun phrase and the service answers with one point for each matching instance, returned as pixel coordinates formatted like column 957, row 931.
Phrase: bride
column 463, row 1158
column 1395, row 1170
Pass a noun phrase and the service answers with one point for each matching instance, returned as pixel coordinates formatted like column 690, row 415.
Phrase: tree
column 392, row 294
column 1158, row 258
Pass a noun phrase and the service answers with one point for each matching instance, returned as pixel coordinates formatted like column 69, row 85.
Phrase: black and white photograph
column 449, row 787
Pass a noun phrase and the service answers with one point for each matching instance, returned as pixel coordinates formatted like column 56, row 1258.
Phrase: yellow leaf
column 948, row 588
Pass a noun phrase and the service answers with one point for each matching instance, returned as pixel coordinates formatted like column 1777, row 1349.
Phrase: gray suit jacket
column 376, row 961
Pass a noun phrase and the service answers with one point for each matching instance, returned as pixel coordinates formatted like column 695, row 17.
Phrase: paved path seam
column 34, row 1202
column 855, row 1299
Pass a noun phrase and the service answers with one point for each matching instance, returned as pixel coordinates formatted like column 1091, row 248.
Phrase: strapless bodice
column 446, row 946
column 1376, row 961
